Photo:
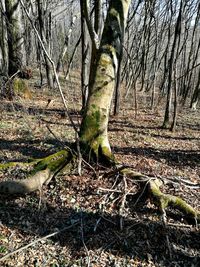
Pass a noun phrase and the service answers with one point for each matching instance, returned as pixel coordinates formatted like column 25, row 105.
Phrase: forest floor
column 83, row 211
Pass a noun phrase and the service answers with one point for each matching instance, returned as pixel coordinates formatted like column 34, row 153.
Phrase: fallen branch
column 101, row 189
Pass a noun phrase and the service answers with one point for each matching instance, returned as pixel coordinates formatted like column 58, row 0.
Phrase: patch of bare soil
column 95, row 219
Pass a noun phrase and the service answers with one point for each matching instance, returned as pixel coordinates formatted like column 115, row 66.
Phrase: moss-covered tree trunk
column 93, row 132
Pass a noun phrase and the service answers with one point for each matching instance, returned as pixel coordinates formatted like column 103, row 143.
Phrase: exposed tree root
column 98, row 149
column 44, row 169
column 166, row 200
column 162, row 200
column 42, row 172
column 28, row 185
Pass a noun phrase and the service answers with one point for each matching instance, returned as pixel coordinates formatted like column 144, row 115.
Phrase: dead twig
column 54, row 135
column 13, row 76
column 83, row 241
column 114, row 191
column 144, row 189
column 8, row 255
column 80, row 158
column 96, row 225
column 123, row 201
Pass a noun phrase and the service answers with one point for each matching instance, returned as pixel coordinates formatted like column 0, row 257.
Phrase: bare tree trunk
column 3, row 42
column 16, row 51
column 171, row 66
column 196, row 94
column 71, row 59
column 66, row 44
column 175, row 102
column 192, row 57
column 44, row 36
column 85, row 58
column 117, row 88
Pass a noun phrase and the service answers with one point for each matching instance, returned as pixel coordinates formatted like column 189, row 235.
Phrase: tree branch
column 93, row 34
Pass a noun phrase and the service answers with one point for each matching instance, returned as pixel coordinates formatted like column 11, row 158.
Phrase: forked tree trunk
column 93, row 132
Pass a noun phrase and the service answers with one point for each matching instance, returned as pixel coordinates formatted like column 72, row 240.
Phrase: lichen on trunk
column 93, row 133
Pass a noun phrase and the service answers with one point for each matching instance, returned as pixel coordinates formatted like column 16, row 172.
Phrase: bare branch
column 93, row 34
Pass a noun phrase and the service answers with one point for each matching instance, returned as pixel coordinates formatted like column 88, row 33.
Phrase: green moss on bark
column 53, row 162
column 90, row 125
column 20, row 87
column 41, row 172
column 5, row 166
column 164, row 200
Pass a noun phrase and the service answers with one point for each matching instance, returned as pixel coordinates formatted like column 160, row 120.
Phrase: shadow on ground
column 15, row 107
column 30, row 148
column 171, row 157
column 124, row 126
column 141, row 238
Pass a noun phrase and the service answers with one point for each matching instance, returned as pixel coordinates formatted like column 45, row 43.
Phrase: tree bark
column 3, row 42
column 171, row 67
column 45, row 38
column 196, row 94
column 16, row 51
column 85, row 59
column 94, row 127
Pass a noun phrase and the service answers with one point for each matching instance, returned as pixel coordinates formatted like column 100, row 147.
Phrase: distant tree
column 44, row 21
column 3, row 41
column 16, row 50
column 196, row 94
column 85, row 56
column 171, row 67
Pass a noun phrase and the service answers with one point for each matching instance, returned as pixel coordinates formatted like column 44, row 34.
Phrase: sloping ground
column 92, row 221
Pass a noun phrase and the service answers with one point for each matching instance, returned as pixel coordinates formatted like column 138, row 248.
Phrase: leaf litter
column 103, row 232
